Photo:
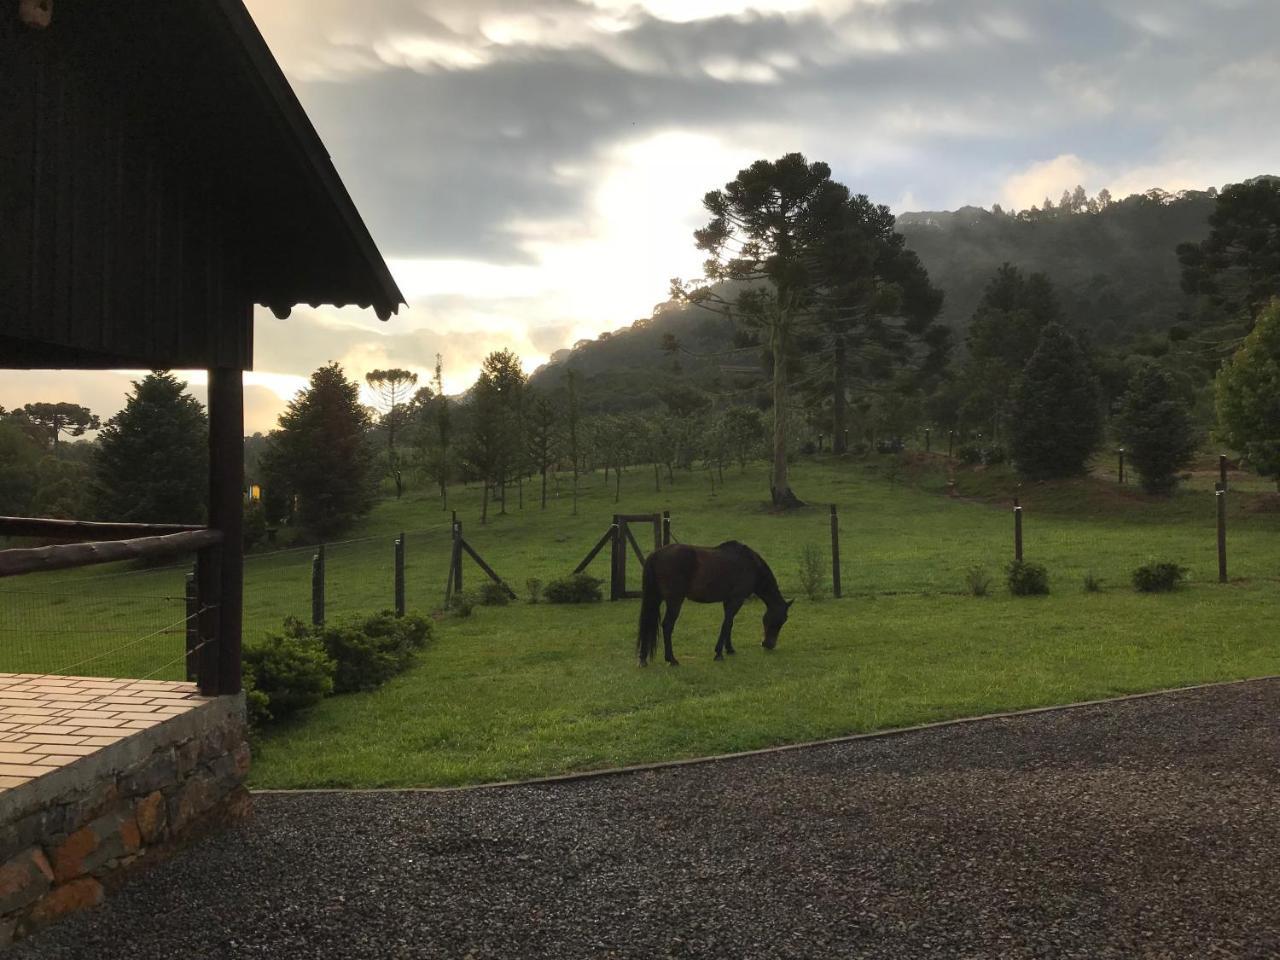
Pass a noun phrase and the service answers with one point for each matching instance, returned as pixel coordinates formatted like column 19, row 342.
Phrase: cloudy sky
column 533, row 169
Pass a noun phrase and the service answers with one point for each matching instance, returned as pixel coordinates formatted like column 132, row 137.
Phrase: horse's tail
column 650, row 600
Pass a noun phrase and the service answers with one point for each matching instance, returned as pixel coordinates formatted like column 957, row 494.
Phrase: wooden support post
column 635, row 546
column 1221, row 496
column 1120, row 465
column 819, row 443
column 666, row 527
column 486, row 568
column 951, row 443
column 617, row 557
column 927, row 447
column 226, row 514
column 846, row 442
column 835, row 553
column 1222, row 471
column 399, row 576
column 208, row 584
column 457, row 556
column 1017, row 530
column 192, row 597
column 317, row 587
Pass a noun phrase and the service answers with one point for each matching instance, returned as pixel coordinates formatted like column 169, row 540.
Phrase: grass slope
column 526, row 690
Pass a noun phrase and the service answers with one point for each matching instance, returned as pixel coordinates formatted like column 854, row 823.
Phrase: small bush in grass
column 290, row 669
column 257, row 704
column 534, row 586
column 1028, row 579
column 575, row 588
column 1158, row 577
column 492, row 594
column 813, row 572
column 1092, row 583
column 370, row 651
column 462, row 604
column 978, row 580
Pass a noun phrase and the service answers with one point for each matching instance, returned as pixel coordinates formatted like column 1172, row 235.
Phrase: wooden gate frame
column 619, row 537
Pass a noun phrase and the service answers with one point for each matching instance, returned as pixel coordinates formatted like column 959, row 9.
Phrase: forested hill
column 1112, row 265
column 1114, row 271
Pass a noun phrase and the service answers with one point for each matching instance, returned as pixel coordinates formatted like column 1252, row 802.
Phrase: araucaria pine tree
column 1154, row 424
column 1057, row 414
column 151, row 462
column 322, row 454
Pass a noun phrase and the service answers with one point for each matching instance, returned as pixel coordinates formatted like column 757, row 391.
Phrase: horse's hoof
column 673, row 662
column 731, row 652
column 719, row 656
column 644, row 663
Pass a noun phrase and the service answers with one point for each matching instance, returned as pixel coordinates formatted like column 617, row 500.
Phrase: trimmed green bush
column 575, row 588
column 290, row 670
column 493, row 594
column 1160, row 577
column 367, row 651
column 462, row 604
column 1028, row 579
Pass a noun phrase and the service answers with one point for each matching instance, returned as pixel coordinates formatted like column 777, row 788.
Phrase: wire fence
column 132, row 622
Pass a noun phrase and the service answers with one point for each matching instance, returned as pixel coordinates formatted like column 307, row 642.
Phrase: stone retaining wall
column 72, row 835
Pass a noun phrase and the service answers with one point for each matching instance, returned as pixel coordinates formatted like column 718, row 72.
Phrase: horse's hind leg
column 725, row 643
column 668, row 624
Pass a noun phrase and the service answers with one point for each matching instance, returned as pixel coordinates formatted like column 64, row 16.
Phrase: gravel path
column 1146, row 828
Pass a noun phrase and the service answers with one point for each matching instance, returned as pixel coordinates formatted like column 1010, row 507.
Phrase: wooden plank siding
column 108, row 248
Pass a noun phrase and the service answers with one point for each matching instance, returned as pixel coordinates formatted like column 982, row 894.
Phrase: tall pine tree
column 1154, row 424
column 322, row 454
column 1057, row 413
column 152, row 458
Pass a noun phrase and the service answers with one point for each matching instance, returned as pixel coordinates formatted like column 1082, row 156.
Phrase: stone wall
column 71, row 836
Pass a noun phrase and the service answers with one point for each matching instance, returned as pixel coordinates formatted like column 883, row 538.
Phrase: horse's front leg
column 668, row 624
column 725, row 643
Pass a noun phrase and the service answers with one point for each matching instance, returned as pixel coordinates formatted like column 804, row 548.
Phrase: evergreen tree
column 1057, row 416
column 1155, row 424
column 322, row 454
column 1248, row 396
column 152, row 459
column 19, row 468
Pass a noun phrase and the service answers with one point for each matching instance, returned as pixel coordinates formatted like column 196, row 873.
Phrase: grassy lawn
column 524, row 690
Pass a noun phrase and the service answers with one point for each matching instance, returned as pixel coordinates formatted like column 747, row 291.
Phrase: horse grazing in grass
column 728, row 574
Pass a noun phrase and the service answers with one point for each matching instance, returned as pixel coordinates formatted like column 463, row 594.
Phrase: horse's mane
column 767, row 583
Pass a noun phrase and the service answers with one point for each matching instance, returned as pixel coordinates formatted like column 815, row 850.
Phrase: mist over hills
column 1112, row 265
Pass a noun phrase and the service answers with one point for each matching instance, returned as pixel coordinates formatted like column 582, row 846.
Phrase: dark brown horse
column 728, row 574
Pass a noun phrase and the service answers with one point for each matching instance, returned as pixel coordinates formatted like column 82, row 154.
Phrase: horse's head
column 774, row 618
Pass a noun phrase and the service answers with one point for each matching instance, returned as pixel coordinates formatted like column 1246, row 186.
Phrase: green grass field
column 525, row 690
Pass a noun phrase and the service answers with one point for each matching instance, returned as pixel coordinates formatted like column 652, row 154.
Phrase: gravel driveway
column 1145, row 828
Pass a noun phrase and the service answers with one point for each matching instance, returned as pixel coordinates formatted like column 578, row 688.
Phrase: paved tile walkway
column 48, row 722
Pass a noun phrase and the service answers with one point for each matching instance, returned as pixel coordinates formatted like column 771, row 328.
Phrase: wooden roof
column 157, row 178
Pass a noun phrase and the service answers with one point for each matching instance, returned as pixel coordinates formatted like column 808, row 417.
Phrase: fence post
column 1017, row 530
column 666, row 527
column 1221, row 496
column 457, row 556
column 951, row 442
column 616, row 547
column 835, row 553
column 192, row 597
column 1120, row 455
column 1222, row 471
column 846, row 441
column 317, row 586
column 927, row 446
column 208, row 587
column 399, row 576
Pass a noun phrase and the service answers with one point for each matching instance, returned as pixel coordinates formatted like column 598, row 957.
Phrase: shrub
column 575, row 588
column 813, row 572
column 978, row 580
column 256, row 703
column 290, row 669
column 1092, row 583
column 534, row 586
column 255, row 524
column 492, row 594
column 1027, row 579
column 370, row 651
column 969, row 454
column 462, row 603
column 1158, row 577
